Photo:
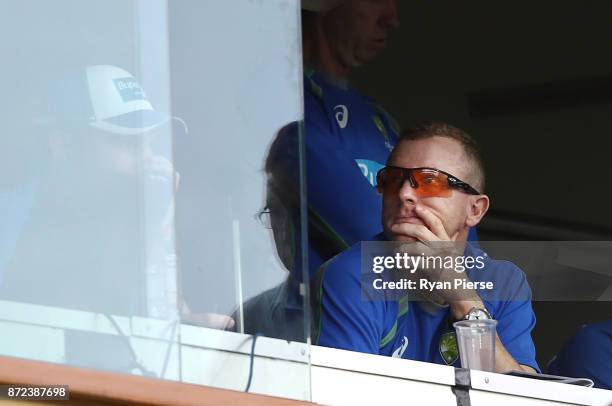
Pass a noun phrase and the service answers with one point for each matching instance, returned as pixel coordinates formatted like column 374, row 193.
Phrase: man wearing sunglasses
column 433, row 191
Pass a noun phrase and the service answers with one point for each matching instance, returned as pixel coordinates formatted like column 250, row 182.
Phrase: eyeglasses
column 263, row 216
column 427, row 182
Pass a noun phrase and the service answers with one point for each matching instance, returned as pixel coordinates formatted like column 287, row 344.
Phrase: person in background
column 279, row 311
column 588, row 354
column 100, row 200
column 348, row 136
column 432, row 191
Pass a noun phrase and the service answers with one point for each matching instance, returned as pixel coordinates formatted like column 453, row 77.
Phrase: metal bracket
column 462, row 386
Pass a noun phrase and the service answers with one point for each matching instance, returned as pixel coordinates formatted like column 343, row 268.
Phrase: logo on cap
column 129, row 89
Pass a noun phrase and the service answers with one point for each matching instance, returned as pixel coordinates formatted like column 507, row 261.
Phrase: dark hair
column 282, row 164
column 282, row 159
column 428, row 129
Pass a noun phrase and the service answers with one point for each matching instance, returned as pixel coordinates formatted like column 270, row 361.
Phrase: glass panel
column 236, row 82
column 136, row 175
column 87, row 185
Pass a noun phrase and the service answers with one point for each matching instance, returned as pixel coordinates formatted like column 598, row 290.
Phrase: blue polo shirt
column 416, row 330
column 587, row 355
column 348, row 139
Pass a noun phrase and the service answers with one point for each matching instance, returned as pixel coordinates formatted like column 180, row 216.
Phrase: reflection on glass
column 123, row 229
column 88, row 260
column 89, row 239
column 279, row 312
column 234, row 109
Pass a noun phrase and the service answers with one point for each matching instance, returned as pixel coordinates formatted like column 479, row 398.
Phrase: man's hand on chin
column 432, row 240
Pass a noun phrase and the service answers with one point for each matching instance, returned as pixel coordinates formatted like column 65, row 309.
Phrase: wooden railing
column 91, row 387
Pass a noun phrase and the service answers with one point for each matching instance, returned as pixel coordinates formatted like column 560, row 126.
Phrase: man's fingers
column 418, row 231
column 433, row 222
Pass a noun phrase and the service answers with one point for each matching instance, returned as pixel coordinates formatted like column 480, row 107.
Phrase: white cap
column 118, row 102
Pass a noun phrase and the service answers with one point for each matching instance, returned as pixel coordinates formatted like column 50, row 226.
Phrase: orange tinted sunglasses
column 427, row 182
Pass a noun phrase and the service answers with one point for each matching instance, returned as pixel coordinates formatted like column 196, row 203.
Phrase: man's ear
column 478, row 206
